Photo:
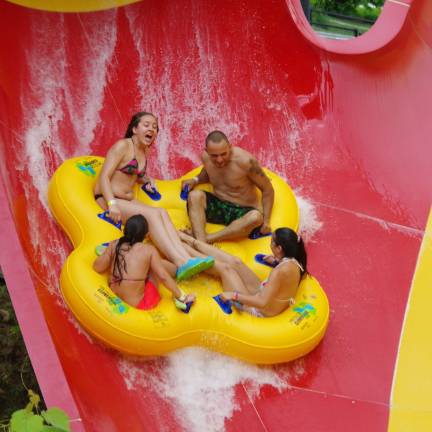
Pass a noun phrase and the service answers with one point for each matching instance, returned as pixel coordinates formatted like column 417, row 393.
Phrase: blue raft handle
column 155, row 195
column 188, row 307
column 259, row 258
column 184, row 193
column 224, row 305
column 104, row 216
column 255, row 234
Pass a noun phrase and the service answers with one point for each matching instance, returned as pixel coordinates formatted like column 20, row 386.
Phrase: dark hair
column 216, row 136
column 292, row 246
column 135, row 119
column 135, row 230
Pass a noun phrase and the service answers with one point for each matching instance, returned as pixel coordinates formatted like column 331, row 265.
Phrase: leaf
column 24, row 421
column 58, row 418
column 34, row 424
column 18, row 419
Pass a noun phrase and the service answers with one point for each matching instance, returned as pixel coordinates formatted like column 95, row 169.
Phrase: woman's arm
column 112, row 161
column 103, row 262
column 263, row 297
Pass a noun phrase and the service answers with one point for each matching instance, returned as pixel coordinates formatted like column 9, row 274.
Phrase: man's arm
column 257, row 176
column 202, row 177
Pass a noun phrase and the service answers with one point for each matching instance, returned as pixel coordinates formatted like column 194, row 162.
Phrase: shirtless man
column 235, row 176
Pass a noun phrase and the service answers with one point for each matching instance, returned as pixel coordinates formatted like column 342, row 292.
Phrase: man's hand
column 265, row 228
column 191, row 183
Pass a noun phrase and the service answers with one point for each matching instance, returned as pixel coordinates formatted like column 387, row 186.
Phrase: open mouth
column 149, row 137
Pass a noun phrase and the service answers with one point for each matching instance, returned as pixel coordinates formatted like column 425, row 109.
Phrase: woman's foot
column 186, row 236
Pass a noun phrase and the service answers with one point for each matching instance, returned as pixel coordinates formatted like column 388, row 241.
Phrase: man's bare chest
column 230, row 178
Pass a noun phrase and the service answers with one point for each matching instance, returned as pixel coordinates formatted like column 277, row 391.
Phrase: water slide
column 347, row 123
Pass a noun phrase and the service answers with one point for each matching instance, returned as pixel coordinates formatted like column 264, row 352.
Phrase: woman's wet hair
column 135, row 119
column 292, row 246
column 135, row 230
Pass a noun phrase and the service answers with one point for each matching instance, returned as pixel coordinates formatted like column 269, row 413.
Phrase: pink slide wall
column 348, row 124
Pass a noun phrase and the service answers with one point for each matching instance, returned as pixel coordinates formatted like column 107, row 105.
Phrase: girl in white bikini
column 242, row 286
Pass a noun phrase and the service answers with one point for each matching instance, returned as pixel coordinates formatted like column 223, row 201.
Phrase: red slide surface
column 347, row 123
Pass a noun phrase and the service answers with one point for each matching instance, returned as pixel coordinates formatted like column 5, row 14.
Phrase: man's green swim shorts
column 223, row 212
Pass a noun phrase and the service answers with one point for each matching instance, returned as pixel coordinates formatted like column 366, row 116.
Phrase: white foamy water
column 309, row 222
column 51, row 99
column 201, row 385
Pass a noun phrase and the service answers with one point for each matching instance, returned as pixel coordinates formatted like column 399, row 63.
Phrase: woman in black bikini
column 131, row 263
column 114, row 192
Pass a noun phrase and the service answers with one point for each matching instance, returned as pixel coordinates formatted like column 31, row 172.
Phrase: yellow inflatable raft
column 158, row 331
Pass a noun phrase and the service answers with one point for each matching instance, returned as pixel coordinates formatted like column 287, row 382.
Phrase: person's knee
column 161, row 212
column 233, row 262
column 255, row 218
column 157, row 212
column 196, row 198
column 149, row 212
column 224, row 268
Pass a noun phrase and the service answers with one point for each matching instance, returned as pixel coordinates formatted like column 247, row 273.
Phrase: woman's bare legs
column 172, row 232
column 224, row 267
column 213, row 271
column 225, row 264
column 169, row 267
column 169, row 245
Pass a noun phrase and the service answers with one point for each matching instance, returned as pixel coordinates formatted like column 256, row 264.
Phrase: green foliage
column 23, row 420
column 16, row 373
column 368, row 9
column 29, row 419
column 56, row 417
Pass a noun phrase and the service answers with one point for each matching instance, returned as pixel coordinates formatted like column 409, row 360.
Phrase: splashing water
column 309, row 222
column 201, row 384
column 50, row 100
column 53, row 97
